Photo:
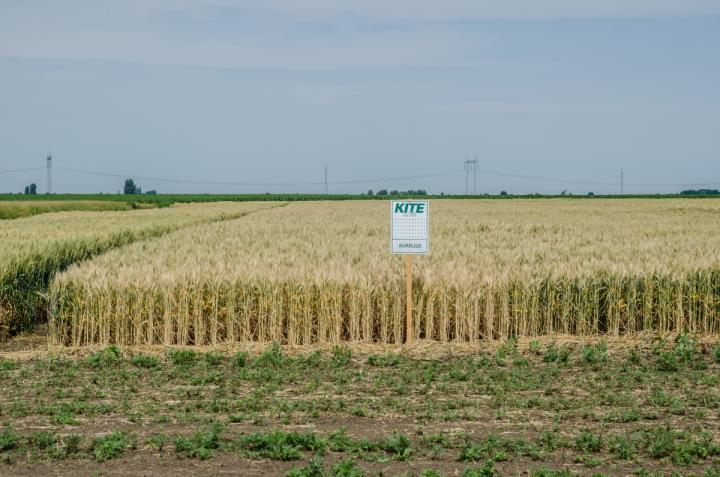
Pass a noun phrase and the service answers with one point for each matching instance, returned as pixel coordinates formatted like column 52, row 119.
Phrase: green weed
column 487, row 470
column 273, row 357
column 239, row 359
column 383, row 360
column 214, row 358
column 341, row 356
column 201, row 444
column 8, row 439
column 145, row 361
column 314, row 468
column 347, row 468
column 110, row 446
column 279, row 445
column 110, row 356
column 182, row 357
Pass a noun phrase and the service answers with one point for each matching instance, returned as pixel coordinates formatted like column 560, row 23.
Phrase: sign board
column 409, row 227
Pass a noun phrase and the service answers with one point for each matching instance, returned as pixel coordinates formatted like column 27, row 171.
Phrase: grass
column 321, row 273
column 485, row 413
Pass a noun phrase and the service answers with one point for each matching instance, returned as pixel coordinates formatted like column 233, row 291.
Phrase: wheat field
column 322, row 272
column 34, row 249
column 25, row 208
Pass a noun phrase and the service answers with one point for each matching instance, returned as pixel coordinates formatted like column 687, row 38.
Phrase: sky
column 253, row 96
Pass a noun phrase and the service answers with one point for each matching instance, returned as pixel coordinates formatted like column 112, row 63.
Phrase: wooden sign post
column 409, row 235
column 408, row 289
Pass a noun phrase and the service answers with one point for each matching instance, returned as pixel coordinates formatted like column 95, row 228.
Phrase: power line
column 579, row 182
column 365, row 181
column 12, row 171
column 475, row 175
column 193, row 181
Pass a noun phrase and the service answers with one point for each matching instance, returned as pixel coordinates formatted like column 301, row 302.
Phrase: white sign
column 410, row 226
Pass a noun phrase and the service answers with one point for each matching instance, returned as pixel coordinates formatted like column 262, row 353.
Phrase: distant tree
column 394, row 192
column 370, row 192
column 564, row 192
column 382, row 192
column 27, row 190
column 31, row 189
column 502, row 192
column 151, row 192
column 591, row 193
column 130, row 187
column 700, row 192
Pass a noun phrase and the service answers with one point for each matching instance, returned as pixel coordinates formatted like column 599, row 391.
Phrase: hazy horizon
column 551, row 95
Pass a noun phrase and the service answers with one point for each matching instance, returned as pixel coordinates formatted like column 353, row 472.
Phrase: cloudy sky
column 255, row 96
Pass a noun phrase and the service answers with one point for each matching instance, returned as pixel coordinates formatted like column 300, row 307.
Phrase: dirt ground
column 556, row 406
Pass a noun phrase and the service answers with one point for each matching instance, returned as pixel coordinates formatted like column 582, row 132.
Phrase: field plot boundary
column 41, row 346
column 23, row 286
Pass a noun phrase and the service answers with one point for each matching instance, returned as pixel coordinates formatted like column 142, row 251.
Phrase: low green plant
column 713, row 471
column 716, row 353
column 273, row 357
column 622, row 447
column 341, row 356
column 158, row 441
column 110, row 356
column 43, row 439
column 7, row 365
column 239, row 359
column 592, row 354
column 347, row 468
column 145, row 361
column 383, row 360
column 588, row 442
column 214, row 358
column 182, row 357
column 487, row 470
column 554, row 353
column 72, row 444
column 314, row 468
column 534, row 346
column 8, row 439
column 110, row 446
column 545, row 472
column 201, row 444
column 432, row 473
column 280, row 445
column 399, row 445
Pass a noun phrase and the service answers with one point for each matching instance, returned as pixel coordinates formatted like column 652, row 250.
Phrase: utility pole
column 471, row 165
column 475, row 162
column 467, row 175
column 326, row 187
column 49, row 173
column 622, row 182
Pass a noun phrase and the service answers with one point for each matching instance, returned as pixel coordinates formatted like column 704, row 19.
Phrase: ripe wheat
column 35, row 248
column 322, row 272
